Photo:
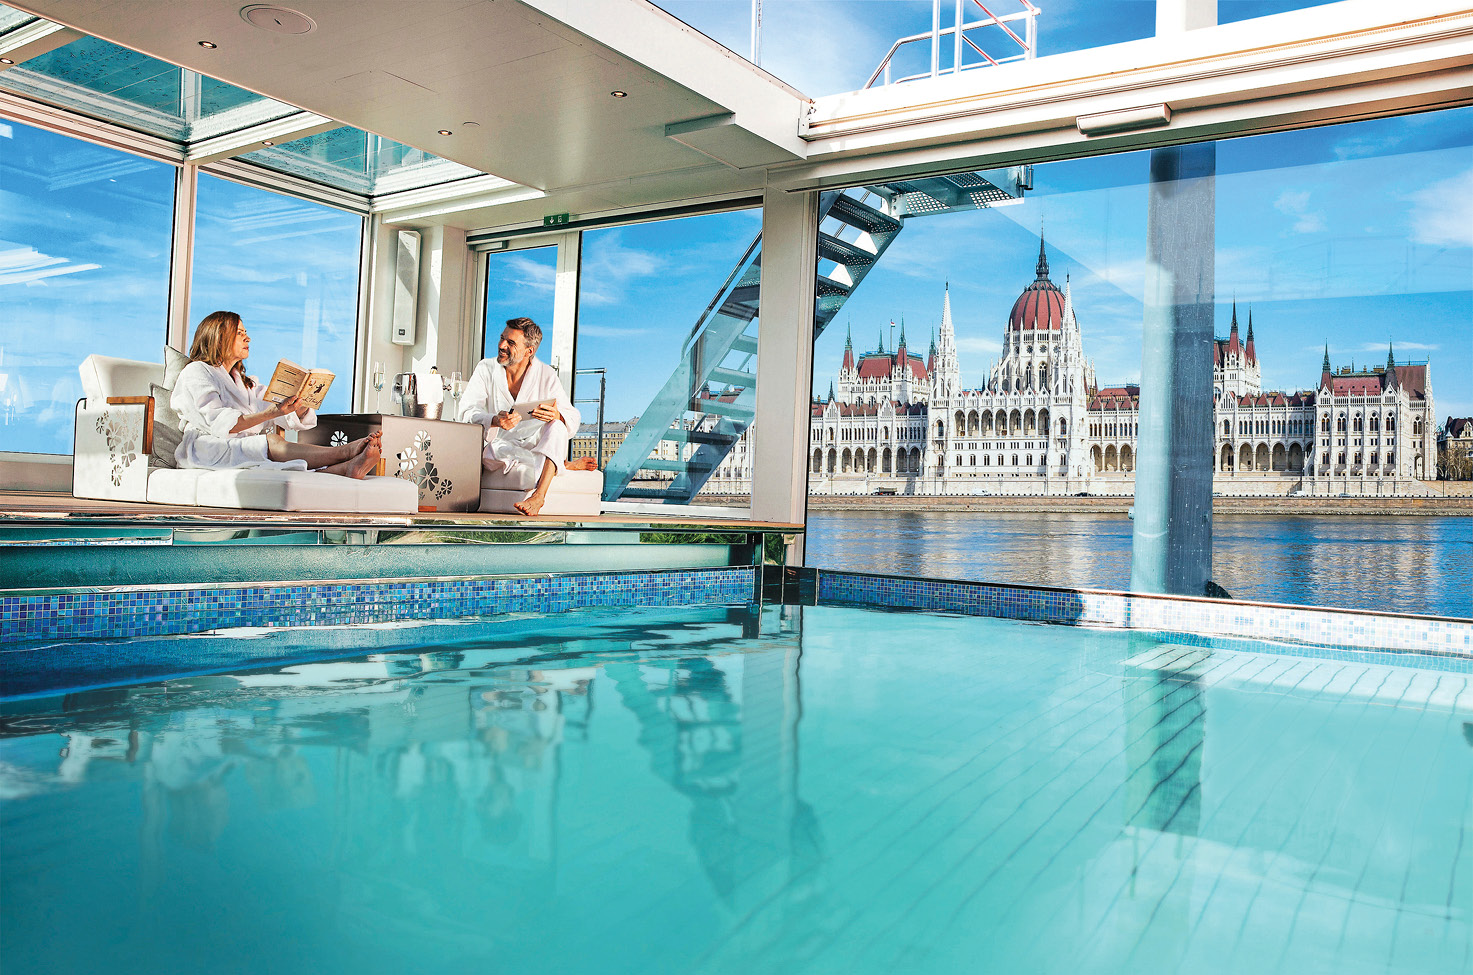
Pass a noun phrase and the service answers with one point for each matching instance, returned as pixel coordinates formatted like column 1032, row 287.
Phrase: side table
column 442, row 457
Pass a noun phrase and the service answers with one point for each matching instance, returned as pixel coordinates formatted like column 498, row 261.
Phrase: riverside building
column 1040, row 424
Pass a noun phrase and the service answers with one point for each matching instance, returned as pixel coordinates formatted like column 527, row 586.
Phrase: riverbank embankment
column 1427, row 507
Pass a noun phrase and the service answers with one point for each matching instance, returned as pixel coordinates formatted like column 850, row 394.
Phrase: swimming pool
column 734, row 789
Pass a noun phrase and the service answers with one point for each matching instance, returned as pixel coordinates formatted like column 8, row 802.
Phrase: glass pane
column 359, row 162
column 10, row 18
column 671, row 306
column 1231, row 11
column 519, row 284
column 84, row 268
column 1342, row 313
column 823, row 48
column 289, row 268
column 105, row 81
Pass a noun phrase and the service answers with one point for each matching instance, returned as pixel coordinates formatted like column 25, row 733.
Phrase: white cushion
column 105, row 375
column 573, row 494
column 275, row 490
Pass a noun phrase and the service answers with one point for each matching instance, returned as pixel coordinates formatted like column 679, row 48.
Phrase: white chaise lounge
column 120, row 457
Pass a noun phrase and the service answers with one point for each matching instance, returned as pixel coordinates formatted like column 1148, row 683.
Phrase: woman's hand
column 290, row 405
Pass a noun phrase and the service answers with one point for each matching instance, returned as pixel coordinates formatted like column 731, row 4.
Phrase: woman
column 229, row 423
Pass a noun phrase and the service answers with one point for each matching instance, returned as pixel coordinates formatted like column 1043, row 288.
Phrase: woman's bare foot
column 582, row 464
column 351, row 450
column 362, row 465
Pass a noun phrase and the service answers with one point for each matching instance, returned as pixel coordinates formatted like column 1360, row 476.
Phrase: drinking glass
column 378, row 385
column 457, row 388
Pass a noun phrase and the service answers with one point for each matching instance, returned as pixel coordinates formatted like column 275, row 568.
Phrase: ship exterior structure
column 896, row 422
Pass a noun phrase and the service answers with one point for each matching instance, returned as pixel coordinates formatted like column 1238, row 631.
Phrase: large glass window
column 84, row 268
column 669, row 308
column 991, row 366
column 289, row 267
column 519, row 284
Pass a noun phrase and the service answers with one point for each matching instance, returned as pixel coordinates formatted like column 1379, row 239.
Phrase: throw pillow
column 168, row 429
column 174, row 363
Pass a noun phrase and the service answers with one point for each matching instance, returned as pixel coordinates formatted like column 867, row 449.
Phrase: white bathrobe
column 210, row 401
column 516, row 456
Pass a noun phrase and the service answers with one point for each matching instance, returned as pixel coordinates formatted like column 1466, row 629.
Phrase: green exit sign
column 556, row 219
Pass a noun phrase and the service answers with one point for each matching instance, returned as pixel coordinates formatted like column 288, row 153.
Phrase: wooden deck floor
column 22, row 509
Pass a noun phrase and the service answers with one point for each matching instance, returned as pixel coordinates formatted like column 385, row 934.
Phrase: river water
column 1397, row 564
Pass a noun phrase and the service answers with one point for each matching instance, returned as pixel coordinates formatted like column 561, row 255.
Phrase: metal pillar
column 1172, row 546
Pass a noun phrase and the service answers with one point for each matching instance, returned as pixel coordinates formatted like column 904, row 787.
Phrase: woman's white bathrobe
column 516, row 455
column 210, row 401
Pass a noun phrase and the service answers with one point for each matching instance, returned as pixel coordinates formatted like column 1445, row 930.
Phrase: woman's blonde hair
column 214, row 337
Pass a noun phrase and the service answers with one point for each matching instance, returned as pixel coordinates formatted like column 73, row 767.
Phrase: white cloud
column 978, row 345
column 26, row 265
column 1442, row 213
column 610, row 331
column 1296, row 204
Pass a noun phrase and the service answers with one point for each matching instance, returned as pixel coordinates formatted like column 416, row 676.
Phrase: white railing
column 961, row 38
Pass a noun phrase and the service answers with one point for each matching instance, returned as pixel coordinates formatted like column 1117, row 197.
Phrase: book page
column 286, row 381
column 315, row 386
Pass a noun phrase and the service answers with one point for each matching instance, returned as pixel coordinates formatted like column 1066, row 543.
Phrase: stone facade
column 895, row 423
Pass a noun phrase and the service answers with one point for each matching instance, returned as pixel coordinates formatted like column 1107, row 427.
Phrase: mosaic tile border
column 174, row 611
column 1253, row 621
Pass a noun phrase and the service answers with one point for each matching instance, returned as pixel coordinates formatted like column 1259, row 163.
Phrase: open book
column 290, row 380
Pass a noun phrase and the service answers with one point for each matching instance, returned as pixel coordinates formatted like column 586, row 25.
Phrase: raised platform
column 57, row 543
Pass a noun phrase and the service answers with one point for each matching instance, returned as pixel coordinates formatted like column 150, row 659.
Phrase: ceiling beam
column 298, row 125
column 33, row 40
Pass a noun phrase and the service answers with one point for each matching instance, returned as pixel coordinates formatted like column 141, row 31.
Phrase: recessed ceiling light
column 6, row 61
column 208, row 44
column 446, row 132
column 619, row 94
column 268, row 142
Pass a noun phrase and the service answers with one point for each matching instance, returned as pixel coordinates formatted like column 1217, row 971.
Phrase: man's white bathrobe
column 210, row 401
column 516, row 455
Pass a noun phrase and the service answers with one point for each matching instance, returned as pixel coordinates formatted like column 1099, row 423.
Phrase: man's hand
column 546, row 413
column 507, row 419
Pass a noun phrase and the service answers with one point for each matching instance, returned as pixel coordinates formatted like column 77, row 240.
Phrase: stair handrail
column 720, row 298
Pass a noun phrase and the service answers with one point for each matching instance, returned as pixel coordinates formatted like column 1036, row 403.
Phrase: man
column 523, row 451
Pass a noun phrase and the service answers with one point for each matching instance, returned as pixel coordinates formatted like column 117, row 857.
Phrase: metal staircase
column 710, row 400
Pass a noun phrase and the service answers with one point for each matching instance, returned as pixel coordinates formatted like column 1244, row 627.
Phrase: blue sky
column 822, row 47
column 1351, row 235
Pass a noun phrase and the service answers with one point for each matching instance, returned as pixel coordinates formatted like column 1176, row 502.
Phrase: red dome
column 1041, row 305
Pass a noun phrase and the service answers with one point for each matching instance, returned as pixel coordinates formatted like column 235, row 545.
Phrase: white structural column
column 785, row 357
column 1176, row 16
column 443, row 309
column 181, row 259
column 560, row 353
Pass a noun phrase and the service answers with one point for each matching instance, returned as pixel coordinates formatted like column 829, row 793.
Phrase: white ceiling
column 537, row 89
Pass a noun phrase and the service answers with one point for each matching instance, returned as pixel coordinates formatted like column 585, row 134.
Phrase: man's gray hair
column 528, row 328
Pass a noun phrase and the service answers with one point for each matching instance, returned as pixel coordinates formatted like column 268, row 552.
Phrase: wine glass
column 378, row 385
column 457, row 388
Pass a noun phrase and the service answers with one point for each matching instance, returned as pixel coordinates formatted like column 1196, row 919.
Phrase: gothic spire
column 902, row 332
column 1042, row 268
column 1325, row 366
column 1252, row 354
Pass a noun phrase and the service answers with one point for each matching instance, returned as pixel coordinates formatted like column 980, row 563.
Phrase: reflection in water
column 735, row 790
column 1404, row 564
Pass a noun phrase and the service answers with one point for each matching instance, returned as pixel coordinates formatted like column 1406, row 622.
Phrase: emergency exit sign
column 555, row 219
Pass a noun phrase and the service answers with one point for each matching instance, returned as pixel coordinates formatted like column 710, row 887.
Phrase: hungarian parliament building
column 895, row 422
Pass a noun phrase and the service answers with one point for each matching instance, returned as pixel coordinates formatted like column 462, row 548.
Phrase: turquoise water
column 800, row 790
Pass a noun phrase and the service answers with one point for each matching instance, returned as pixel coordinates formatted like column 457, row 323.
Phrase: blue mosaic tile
column 120, row 614
column 1336, row 629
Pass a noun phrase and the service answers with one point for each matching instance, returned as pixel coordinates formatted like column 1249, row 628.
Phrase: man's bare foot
column 582, row 464
column 531, row 505
column 362, row 465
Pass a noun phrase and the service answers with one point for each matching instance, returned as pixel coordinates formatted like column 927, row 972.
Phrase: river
column 1388, row 563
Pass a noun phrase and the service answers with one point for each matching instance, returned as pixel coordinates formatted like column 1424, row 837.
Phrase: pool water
column 737, row 790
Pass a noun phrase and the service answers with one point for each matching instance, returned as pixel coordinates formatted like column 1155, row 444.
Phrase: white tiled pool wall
column 1347, row 629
